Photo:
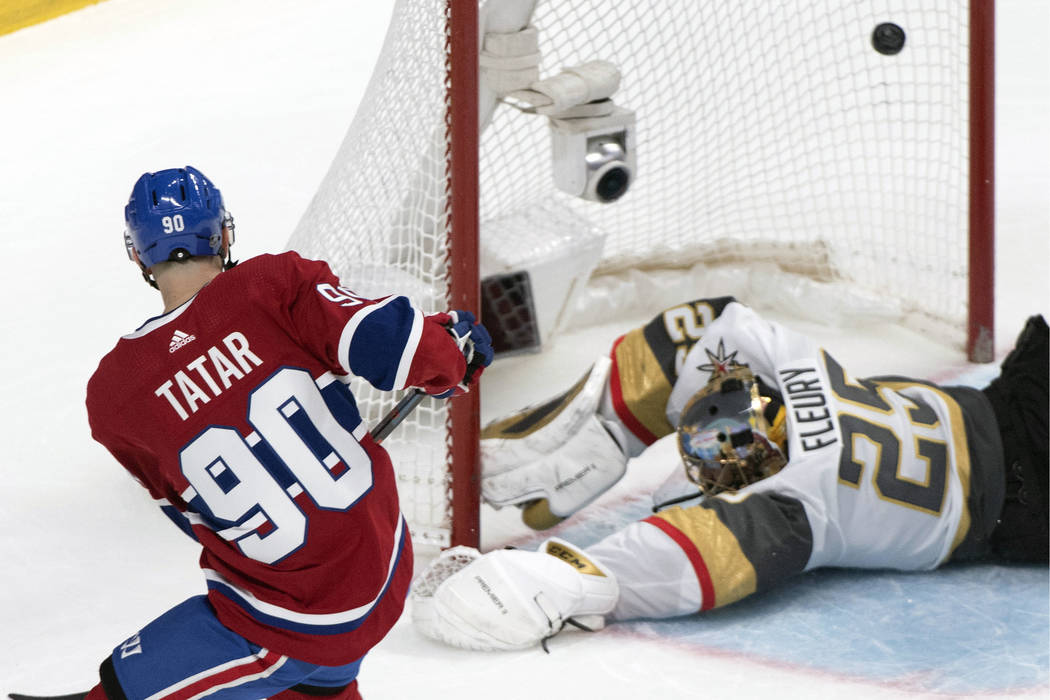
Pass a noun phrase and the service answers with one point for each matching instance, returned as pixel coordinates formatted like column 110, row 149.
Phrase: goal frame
column 462, row 120
column 464, row 413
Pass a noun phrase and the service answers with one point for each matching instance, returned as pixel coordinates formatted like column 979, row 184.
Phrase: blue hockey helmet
column 174, row 214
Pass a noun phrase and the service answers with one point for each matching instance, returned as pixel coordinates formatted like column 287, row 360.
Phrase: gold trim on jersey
column 644, row 388
column 732, row 574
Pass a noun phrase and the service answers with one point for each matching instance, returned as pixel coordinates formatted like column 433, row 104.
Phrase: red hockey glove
column 473, row 341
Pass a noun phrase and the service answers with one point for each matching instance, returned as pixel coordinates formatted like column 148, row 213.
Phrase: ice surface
column 258, row 95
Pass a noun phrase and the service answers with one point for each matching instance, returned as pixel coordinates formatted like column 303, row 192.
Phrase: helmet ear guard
column 731, row 433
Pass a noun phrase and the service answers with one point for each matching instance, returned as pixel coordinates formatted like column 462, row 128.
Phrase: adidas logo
column 178, row 339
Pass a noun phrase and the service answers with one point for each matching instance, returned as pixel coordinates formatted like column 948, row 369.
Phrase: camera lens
column 612, row 184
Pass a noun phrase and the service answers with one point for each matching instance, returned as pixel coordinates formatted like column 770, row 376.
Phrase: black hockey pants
column 1019, row 397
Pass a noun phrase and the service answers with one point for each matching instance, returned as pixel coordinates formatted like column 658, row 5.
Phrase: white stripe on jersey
column 409, row 350
column 320, row 619
column 222, row 668
column 158, row 321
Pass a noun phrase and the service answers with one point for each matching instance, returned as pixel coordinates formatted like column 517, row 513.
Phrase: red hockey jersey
column 233, row 410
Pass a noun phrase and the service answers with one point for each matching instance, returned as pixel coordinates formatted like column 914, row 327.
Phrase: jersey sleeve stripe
column 703, row 576
column 409, row 352
column 309, row 623
column 619, row 402
column 391, row 328
column 350, row 329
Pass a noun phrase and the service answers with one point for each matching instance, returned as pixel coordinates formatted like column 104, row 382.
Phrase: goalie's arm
column 678, row 562
column 556, row 457
column 684, row 560
column 646, row 364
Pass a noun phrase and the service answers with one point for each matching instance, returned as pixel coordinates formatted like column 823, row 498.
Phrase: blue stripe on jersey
column 304, row 627
column 180, row 520
column 380, row 342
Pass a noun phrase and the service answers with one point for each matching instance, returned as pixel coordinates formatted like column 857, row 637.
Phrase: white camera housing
column 594, row 157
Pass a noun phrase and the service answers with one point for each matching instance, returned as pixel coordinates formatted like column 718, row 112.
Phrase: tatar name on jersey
column 231, row 360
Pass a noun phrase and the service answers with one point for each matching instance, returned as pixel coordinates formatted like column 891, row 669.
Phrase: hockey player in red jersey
column 232, row 408
column 787, row 463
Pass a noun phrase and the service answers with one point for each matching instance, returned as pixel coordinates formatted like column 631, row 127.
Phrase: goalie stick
column 382, row 429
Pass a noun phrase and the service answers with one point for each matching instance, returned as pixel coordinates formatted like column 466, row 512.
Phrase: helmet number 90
column 172, row 224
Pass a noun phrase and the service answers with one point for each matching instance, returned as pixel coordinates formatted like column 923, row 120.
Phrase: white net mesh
column 379, row 219
column 767, row 132
column 770, row 130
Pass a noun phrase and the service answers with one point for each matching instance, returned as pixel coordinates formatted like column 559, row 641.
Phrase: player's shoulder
column 274, row 262
column 268, row 272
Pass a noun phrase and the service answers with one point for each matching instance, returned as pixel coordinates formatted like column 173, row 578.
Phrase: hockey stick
column 398, row 413
column 383, row 428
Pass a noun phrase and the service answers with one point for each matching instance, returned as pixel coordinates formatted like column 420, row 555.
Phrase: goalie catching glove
column 511, row 598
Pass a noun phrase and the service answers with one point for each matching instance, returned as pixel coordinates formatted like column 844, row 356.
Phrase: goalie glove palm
column 514, row 599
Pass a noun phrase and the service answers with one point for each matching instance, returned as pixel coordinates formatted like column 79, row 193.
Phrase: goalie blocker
column 555, row 458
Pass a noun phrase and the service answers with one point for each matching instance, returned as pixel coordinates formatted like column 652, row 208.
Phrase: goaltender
column 789, row 463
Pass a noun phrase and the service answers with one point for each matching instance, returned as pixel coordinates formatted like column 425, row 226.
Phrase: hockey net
column 792, row 138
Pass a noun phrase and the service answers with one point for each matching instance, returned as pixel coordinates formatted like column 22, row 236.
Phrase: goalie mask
column 731, row 433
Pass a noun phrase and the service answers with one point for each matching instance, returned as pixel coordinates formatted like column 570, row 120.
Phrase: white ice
column 259, row 95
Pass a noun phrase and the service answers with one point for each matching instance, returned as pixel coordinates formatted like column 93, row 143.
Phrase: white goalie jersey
column 882, row 467
column 882, row 473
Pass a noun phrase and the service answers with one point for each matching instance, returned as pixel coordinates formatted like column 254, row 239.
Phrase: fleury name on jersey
column 804, row 393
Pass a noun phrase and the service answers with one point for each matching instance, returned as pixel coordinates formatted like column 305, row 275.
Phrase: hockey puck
column 888, row 39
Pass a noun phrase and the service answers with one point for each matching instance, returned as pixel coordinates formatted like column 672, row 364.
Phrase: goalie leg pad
column 514, row 599
column 560, row 451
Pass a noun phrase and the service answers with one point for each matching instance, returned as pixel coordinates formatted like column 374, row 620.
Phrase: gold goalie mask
column 731, row 433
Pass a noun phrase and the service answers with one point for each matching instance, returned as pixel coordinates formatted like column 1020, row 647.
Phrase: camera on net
column 594, row 157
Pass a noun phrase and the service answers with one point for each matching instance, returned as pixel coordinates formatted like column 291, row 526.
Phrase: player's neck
column 177, row 286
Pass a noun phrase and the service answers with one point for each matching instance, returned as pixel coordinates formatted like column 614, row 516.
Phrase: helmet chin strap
column 229, row 228
column 229, row 262
column 146, row 275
